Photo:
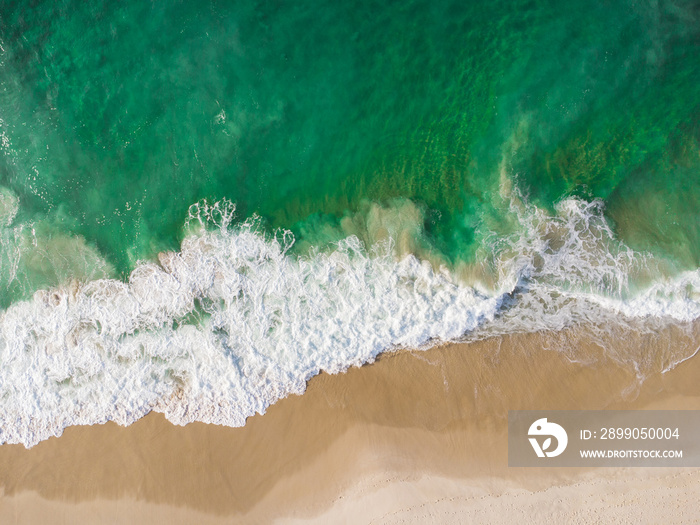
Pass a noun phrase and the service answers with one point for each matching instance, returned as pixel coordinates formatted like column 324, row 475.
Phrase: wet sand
column 413, row 437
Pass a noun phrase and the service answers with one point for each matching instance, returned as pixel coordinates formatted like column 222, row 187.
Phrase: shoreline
column 414, row 424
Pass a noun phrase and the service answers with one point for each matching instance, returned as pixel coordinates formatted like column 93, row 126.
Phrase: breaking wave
column 234, row 321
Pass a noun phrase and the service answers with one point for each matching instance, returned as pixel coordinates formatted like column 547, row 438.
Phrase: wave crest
column 217, row 332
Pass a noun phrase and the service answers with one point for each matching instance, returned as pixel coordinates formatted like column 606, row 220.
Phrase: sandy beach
column 416, row 437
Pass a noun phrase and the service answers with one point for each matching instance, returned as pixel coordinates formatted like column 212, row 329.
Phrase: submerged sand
column 416, row 437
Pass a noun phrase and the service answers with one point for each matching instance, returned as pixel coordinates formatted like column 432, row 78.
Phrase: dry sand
column 417, row 437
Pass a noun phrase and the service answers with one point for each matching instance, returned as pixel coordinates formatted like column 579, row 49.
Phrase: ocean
column 205, row 204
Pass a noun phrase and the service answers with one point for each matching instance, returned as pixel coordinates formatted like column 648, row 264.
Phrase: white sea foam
column 233, row 322
column 568, row 267
column 265, row 323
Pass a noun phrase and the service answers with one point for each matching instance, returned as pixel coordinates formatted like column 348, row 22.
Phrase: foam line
column 233, row 322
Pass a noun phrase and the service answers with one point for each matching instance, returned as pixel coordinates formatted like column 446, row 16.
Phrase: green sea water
column 115, row 117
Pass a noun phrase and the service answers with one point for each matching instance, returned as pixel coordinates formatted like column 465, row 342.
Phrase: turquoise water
column 118, row 117
column 515, row 146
